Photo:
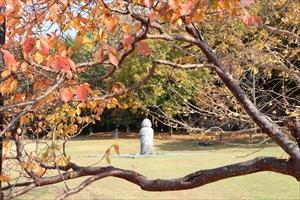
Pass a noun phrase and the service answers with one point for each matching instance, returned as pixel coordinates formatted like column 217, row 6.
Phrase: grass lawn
column 178, row 157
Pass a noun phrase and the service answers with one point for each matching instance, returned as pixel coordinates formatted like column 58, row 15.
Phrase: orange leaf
column 40, row 171
column 66, row 94
column 111, row 23
column 54, row 10
column 9, row 59
column 152, row 15
column 82, row 92
column 113, row 56
column 98, row 55
column 117, row 148
column 143, row 49
column 2, row 18
column 126, row 28
column 28, row 45
column 4, row 178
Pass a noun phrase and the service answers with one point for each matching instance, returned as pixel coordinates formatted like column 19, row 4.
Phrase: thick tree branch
column 193, row 180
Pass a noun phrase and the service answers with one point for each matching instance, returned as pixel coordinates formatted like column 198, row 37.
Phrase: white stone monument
column 146, row 138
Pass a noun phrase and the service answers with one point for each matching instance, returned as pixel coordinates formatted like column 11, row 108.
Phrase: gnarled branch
column 193, row 180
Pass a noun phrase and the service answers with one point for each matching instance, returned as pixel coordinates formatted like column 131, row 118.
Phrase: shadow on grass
column 193, row 145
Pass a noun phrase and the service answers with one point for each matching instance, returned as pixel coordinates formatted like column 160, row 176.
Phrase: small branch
column 16, row 185
column 185, row 66
column 14, row 120
column 82, row 185
column 24, row 190
column 33, row 101
column 281, row 32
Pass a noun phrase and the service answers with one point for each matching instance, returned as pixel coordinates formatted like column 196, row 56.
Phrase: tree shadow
column 196, row 145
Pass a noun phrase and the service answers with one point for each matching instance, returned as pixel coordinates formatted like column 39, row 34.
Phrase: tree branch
column 268, row 127
column 181, row 66
column 193, row 180
column 281, row 32
column 33, row 101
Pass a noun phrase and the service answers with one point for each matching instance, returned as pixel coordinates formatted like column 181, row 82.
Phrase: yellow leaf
column 107, row 152
column 107, row 160
column 78, row 111
column 5, row 73
column 13, row 85
column 38, row 57
column 62, row 161
column 5, row 146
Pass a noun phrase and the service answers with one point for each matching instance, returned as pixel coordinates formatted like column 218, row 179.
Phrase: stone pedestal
column 146, row 138
column 115, row 134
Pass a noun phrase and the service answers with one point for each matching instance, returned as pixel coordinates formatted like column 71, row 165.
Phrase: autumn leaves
column 113, row 34
column 82, row 93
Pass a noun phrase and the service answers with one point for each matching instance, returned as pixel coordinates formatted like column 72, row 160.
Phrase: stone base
column 147, row 149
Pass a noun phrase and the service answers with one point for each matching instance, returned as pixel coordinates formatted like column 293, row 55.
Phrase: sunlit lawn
column 176, row 158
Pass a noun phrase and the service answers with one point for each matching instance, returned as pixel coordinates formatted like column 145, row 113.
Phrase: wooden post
column 2, row 42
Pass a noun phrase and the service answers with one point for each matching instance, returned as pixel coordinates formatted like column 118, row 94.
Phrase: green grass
column 190, row 157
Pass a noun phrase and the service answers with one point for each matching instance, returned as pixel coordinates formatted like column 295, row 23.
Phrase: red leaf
column 66, row 94
column 64, row 64
column 9, row 59
column 143, row 49
column 43, row 45
column 149, row 3
column 28, row 45
column 82, row 92
column 128, row 39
